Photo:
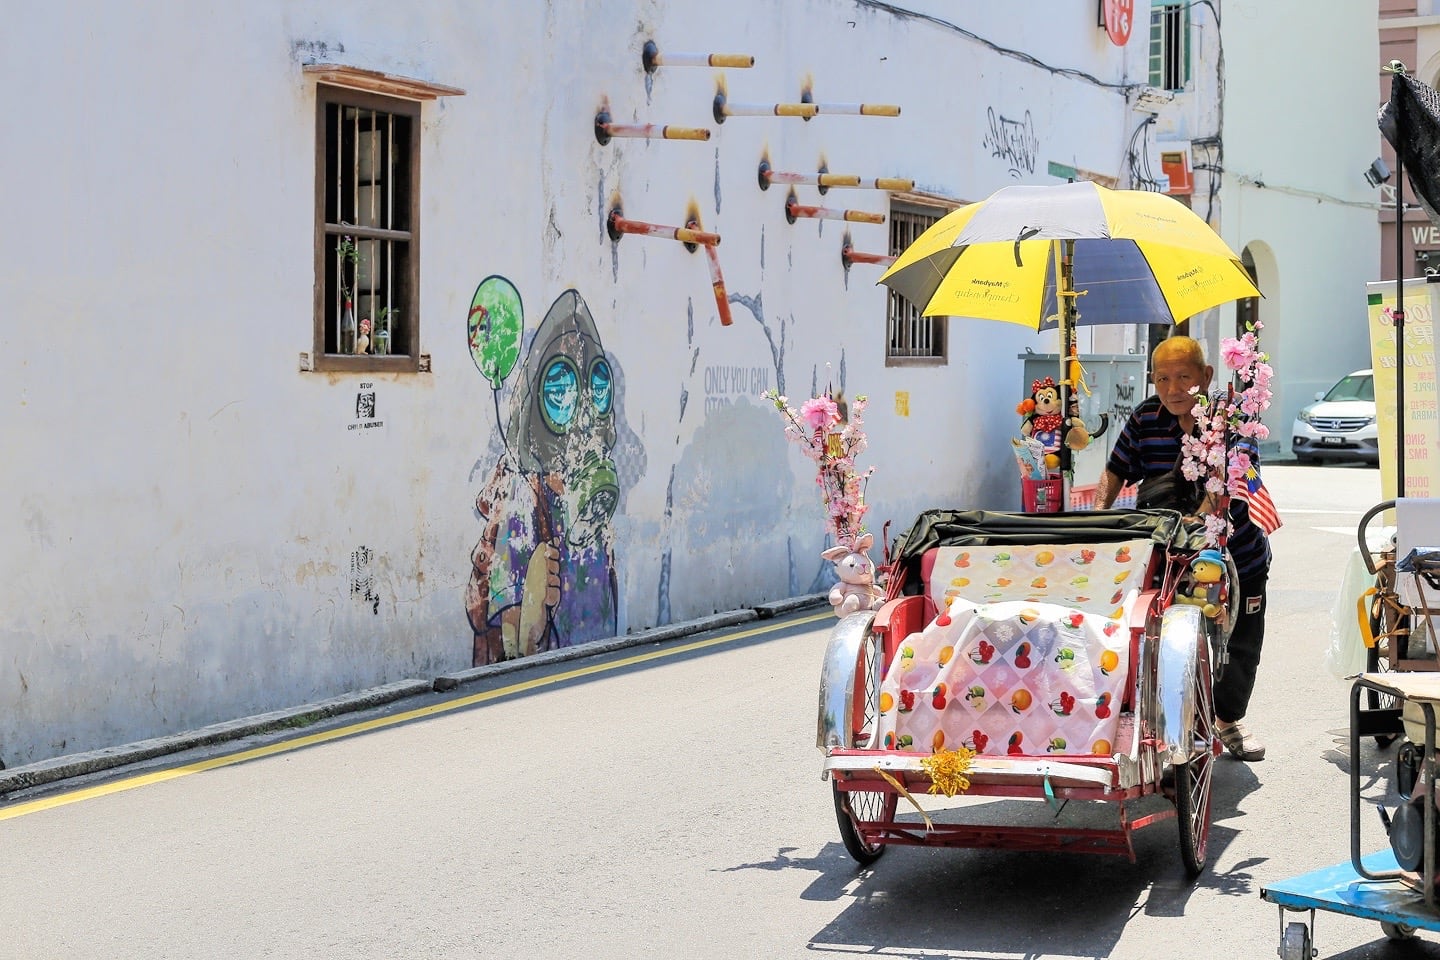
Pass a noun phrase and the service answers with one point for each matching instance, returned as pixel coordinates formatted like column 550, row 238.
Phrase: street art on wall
column 1013, row 141
column 543, row 572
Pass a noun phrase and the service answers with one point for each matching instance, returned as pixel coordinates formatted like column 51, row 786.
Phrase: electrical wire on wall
column 1020, row 55
column 1215, row 167
column 1137, row 157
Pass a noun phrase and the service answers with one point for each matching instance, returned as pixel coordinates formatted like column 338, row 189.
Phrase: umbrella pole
column 1399, row 324
column 1064, row 255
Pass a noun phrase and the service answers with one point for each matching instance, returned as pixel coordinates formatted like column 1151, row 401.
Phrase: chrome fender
column 837, row 679
column 1182, row 631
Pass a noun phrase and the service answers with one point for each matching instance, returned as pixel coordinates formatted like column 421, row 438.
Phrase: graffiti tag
column 723, row 383
column 1013, row 141
column 1124, row 404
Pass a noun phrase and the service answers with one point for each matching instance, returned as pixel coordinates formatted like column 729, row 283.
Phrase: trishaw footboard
column 874, row 774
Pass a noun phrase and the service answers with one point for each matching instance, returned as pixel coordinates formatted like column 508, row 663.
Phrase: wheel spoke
column 1193, row 778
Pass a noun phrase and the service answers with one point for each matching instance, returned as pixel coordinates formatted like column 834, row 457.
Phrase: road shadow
column 922, row 901
column 1376, row 767
column 1382, row 949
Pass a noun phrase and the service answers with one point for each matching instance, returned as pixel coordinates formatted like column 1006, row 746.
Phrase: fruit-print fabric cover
column 1028, row 657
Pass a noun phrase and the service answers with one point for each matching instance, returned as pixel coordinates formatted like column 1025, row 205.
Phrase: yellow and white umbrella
column 1133, row 256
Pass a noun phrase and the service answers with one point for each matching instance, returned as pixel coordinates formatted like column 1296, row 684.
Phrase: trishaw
column 1047, row 657
column 1060, row 655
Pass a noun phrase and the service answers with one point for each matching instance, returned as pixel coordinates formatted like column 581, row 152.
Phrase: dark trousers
column 1232, row 692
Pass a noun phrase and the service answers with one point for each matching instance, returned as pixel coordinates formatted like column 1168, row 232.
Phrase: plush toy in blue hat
column 1207, row 571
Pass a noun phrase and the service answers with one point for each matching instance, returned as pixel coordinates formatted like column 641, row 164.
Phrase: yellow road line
column 160, row 776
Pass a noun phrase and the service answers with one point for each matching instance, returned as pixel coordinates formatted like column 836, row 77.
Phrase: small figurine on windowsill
column 362, row 342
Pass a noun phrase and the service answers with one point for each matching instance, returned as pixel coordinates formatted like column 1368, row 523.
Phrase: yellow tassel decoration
column 947, row 769
column 900, row 788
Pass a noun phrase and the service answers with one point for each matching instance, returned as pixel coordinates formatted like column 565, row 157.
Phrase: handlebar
column 1371, row 514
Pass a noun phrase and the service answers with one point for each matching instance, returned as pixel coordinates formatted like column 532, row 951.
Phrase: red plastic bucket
column 1040, row 496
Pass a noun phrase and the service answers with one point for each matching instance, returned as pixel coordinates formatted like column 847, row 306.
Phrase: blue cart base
column 1339, row 889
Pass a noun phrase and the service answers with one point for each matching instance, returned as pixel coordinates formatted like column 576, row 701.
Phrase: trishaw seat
column 1029, row 655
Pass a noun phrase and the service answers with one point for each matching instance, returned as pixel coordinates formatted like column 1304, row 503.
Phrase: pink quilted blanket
column 1037, row 665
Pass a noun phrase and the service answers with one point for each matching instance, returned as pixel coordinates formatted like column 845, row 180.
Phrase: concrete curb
column 450, row 681
column 78, row 764
column 767, row 610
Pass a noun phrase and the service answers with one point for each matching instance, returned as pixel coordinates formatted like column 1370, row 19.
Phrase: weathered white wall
column 1299, row 111
column 185, row 505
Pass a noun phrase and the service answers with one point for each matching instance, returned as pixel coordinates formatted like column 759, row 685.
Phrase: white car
column 1340, row 424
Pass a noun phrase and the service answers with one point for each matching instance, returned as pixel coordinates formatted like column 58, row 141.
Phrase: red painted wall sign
column 1118, row 16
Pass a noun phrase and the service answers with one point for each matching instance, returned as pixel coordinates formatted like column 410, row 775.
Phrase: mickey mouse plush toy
column 1043, row 421
column 1041, row 413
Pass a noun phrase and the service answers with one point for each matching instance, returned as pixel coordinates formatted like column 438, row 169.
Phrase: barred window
column 909, row 337
column 366, row 229
column 1169, row 45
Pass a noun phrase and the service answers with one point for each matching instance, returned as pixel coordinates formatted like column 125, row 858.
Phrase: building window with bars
column 909, row 337
column 1169, row 45
column 367, row 223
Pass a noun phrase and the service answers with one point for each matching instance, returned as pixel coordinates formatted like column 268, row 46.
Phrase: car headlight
column 1303, row 416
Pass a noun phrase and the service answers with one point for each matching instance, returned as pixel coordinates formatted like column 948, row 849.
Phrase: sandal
column 1241, row 743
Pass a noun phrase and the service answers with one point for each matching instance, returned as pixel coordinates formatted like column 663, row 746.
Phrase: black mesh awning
column 959, row 528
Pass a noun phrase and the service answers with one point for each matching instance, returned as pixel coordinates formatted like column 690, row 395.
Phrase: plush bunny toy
column 857, row 589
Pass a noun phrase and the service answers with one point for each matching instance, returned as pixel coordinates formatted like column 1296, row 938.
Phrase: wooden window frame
column 404, row 356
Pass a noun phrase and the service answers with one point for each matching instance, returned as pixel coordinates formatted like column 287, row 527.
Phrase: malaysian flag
column 1262, row 508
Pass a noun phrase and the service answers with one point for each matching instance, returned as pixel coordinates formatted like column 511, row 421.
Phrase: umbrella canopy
column 1137, row 257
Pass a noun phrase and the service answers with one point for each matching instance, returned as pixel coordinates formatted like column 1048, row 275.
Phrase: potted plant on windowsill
column 383, row 331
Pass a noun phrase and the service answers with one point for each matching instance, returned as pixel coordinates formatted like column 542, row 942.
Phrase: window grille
column 368, row 161
column 1169, row 45
column 909, row 336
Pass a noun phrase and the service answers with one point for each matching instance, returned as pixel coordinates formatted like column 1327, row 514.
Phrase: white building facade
column 1300, row 129
column 381, row 397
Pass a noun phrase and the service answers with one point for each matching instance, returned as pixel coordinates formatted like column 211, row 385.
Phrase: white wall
column 186, row 505
column 1299, row 118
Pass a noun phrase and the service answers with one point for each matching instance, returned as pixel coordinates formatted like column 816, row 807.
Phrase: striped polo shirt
column 1149, row 445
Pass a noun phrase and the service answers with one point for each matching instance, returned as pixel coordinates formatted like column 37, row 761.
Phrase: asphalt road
column 666, row 801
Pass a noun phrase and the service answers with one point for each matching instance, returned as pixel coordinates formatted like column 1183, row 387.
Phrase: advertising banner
column 1421, row 448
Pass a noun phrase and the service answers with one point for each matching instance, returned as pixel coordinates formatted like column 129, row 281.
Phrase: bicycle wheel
column 1193, row 779
column 857, row 810
column 1377, row 660
column 854, row 809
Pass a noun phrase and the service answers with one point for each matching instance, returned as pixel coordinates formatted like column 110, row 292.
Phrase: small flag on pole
column 1262, row 508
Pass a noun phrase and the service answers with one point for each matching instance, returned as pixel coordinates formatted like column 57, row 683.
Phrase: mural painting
column 543, row 572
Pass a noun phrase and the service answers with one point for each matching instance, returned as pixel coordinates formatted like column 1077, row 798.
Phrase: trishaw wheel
column 855, row 807
column 1193, row 778
column 1295, row 942
column 1377, row 660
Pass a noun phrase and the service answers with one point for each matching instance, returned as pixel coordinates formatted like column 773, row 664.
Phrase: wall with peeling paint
column 196, row 530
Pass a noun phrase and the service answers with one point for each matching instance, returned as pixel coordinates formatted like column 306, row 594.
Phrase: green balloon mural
column 495, row 323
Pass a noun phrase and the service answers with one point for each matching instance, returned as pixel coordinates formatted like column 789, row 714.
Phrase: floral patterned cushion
column 1029, row 656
